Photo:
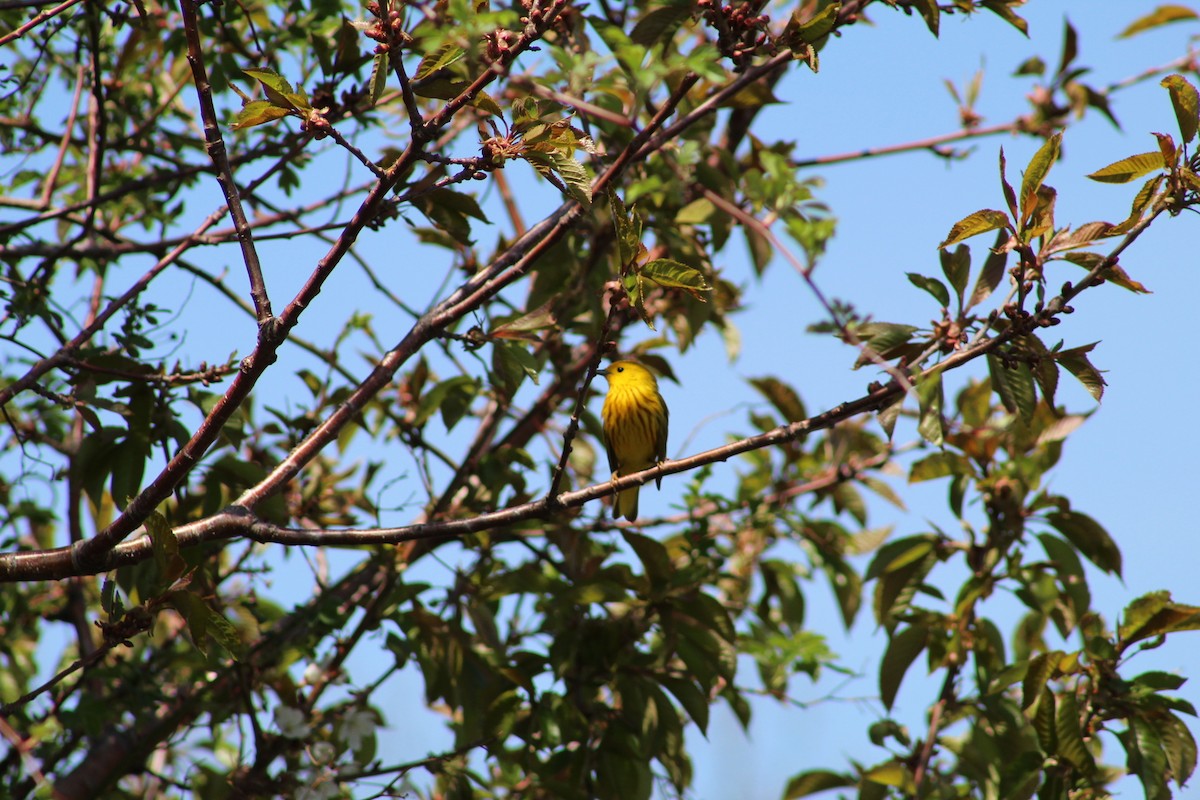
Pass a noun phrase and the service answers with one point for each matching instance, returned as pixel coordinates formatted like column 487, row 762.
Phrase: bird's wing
column 660, row 444
column 612, row 456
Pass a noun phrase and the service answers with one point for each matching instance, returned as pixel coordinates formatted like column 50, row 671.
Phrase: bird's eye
column 620, row 369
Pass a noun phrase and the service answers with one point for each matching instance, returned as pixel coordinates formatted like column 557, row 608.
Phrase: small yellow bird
column 635, row 428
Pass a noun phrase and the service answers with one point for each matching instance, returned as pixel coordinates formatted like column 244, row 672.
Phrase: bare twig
column 216, row 150
column 36, row 20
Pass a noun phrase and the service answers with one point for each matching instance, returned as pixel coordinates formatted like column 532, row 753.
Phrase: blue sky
column 1132, row 465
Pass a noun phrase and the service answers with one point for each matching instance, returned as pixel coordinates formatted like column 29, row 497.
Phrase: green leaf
column 886, row 339
column 930, row 399
column 956, row 266
column 783, row 397
column 653, row 556
column 1186, row 103
column 380, row 67
column 512, row 363
column 167, row 559
column 691, row 697
column 1146, row 758
column 992, row 272
column 1010, row 196
column 932, row 285
column 561, row 169
column 1131, row 168
column 847, row 588
column 975, row 224
column 1044, row 719
column 675, row 275
column 438, row 59
column 939, row 465
column 893, row 773
column 1179, row 746
column 628, row 229
column 204, row 623
column 1004, row 10
column 1038, row 673
column 1154, row 615
column 257, row 112
column 882, row 489
column 1070, row 48
column 697, row 212
column 1014, row 386
column 1089, row 537
column 451, row 397
column 755, row 95
column 629, row 54
column 1162, row 15
column 1035, row 175
column 128, row 463
column 888, row 415
column 110, row 599
column 1069, row 735
column 903, row 648
column 1076, row 362
column 1158, row 681
column 899, row 554
column 1113, row 272
column 195, row 613
column 816, row 781
column 659, row 25
column 225, row 634
column 523, row 327
column 930, row 12
column 279, row 92
column 816, row 26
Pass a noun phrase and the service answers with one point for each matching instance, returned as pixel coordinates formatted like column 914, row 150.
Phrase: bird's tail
column 627, row 504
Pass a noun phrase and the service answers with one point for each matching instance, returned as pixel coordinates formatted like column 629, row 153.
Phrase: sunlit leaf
column 1128, row 169
column 1035, row 174
column 674, row 275
column 525, row 326
column 380, row 67
column 257, row 112
column 1154, row 615
column 1162, row 15
column 814, row 782
column 975, row 224
column 1186, row 102
column 930, row 398
column 893, row 774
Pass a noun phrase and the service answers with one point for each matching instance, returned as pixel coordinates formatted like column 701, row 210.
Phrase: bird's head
column 628, row 373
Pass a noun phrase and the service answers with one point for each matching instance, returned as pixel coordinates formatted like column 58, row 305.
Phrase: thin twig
column 36, row 20
column 935, row 724
column 215, row 145
column 614, row 302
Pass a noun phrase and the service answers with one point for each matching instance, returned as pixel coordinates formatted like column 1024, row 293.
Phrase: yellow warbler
column 635, row 427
